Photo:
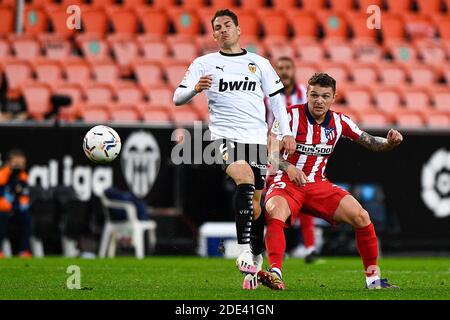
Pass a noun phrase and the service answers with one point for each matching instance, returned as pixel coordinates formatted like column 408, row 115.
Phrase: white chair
column 137, row 227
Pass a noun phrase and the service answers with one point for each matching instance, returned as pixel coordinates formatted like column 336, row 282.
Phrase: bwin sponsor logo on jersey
column 315, row 149
column 237, row 85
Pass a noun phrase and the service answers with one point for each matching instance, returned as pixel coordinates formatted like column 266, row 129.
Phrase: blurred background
column 120, row 66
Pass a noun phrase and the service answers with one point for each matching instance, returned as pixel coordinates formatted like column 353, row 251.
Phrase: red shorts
column 319, row 199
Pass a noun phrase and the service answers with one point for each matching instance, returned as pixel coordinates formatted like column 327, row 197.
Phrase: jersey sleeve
column 271, row 82
column 349, row 128
column 192, row 75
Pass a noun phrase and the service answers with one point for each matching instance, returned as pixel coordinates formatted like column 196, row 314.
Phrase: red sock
column 367, row 244
column 275, row 242
column 307, row 227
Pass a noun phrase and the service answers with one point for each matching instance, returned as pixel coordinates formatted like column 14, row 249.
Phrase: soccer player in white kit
column 235, row 83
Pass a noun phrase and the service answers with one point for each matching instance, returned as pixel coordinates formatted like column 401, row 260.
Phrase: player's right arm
column 278, row 162
column 194, row 82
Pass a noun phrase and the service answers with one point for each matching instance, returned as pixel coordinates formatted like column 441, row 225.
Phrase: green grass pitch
column 191, row 278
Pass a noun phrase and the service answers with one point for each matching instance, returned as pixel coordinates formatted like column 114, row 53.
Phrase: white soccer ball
column 101, row 144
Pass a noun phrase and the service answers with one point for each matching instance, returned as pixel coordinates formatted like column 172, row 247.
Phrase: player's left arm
column 380, row 144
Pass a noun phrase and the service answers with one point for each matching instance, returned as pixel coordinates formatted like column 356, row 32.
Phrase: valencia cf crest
column 330, row 133
column 252, row 67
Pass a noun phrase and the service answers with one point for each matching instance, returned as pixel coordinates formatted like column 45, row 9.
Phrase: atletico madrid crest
column 330, row 133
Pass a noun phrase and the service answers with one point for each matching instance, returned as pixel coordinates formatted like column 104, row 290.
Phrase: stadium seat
column 148, row 73
column 443, row 25
column 25, row 47
column 74, row 110
column 252, row 44
column 152, row 48
column 157, row 115
column 94, row 47
column 274, row 23
column 367, row 50
column 278, row 47
column 125, row 50
column 200, row 103
column 55, row 47
column 17, row 72
column 441, row 98
column 163, row 4
column 387, row 99
column 429, row 7
column 37, row 98
column 338, row 51
column 58, row 19
column 358, row 97
column 304, row 70
column 252, row 4
column 398, row 6
column 205, row 15
column 175, row 73
column 392, row 28
column 206, row 44
column 94, row 20
column 134, row 3
column 183, row 49
column 335, row 69
column 364, row 4
column 342, row 6
column 124, row 20
column 35, row 20
column 437, row 120
column 186, row 22
column 418, row 26
column 408, row 120
column 192, row 4
column 446, row 73
column 97, row 93
column 430, row 52
column 284, row 5
column 249, row 23
column 77, row 71
column 362, row 73
column 391, row 74
column 7, row 19
column 221, row 4
column 96, row 114
column 105, row 71
column 304, row 24
column 416, row 99
column 125, row 112
column 102, row 3
column 309, row 51
column 420, row 74
column 160, row 97
column 67, row 3
column 154, row 21
column 48, row 71
column 358, row 25
column 402, row 52
column 185, row 115
column 128, row 92
column 334, row 24
column 5, row 49
column 373, row 120
column 313, row 5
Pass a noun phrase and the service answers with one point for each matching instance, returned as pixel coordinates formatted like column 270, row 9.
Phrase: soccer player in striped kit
column 301, row 184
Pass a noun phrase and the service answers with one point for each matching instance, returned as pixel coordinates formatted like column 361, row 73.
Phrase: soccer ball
column 101, row 144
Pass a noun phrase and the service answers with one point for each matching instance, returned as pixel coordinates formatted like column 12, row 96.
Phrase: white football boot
column 251, row 280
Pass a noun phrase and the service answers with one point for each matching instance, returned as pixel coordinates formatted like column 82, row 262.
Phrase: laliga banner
column 55, row 157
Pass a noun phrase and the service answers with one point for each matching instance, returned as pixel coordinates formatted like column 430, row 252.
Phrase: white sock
column 309, row 250
column 243, row 247
column 277, row 271
column 371, row 279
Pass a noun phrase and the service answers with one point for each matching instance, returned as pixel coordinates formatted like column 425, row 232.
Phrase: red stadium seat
column 252, row 4
column 192, row 4
column 342, row 6
column 185, row 115
column 124, row 20
column 402, row 52
column 399, row 6
column 153, row 49
column 96, row 114
column 437, row 120
column 5, row 49
column 37, row 98
column 309, row 51
column 358, row 25
column 391, row 74
column 200, row 103
column 409, row 120
column 358, row 97
column 206, row 44
column 418, row 26
column 175, row 73
column 335, row 69
column 94, row 20
column 163, row 4
column 313, row 5
column 305, row 70
column 35, row 20
column 420, row 74
column 416, row 99
column 429, row 7
column 248, row 22
column 49, row 72
column 284, row 5
column 304, row 24
column 446, row 73
column 392, row 28
column 25, row 47
column 443, row 25
column 363, row 73
column 157, row 115
column 339, row 51
column 441, row 98
column 373, row 120
column 252, row 44
column 222, row 4
column 364, row 4
column 125, row 112
column 74, row 110
column 274, row 23
column 334, row 24
column 186, row 22
column 105, row 71
column 205, row 15
column 387, row 99
column 102, row 3
column 58, row 18
column 183, row 49
column 148, row 73
column 134, row 3
column 160, row 96
column 7, row 19
column 17, row 72
column 367, row 50
column 154, row 21
column 128, row 92
column 431, row 53
column 93, row 47
column 77, row 71
column 125, row 50
column 279, row 47
column 97, row 93
column 55, row 47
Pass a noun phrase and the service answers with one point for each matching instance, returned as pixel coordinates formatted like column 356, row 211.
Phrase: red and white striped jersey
column 315, row 142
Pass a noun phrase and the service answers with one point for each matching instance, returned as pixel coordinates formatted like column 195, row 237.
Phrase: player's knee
column 277, row 211
column 256, row 209
column 360, row 219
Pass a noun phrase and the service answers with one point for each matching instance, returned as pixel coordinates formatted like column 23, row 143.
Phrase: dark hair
column 286, row 58
column 225, row 13
column 323, row 80
column 14, row 153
